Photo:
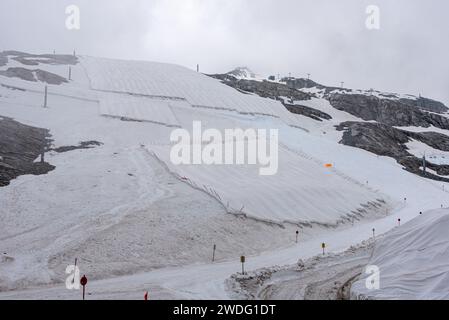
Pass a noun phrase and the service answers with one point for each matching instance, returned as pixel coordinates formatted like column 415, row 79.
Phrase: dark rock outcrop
column 422, row 103
column 301, row 83
column 3, row 60
column 307, row 111
column 33, row 75
column 49, row 77
column 435, row 140
column 21, row 73
column 385, row 140
column 20, row 145
column 426, row 104
column 377, row 138
column 265, row 89
column 385, row 111
column 276, row 91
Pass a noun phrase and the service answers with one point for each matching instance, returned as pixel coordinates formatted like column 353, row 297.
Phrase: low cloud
column 325, row 38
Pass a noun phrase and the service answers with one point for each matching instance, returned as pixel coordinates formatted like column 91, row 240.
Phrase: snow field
column 138, row 108
column 122, row 213
column 176, row 82
column 288, row 195
column 413, row 261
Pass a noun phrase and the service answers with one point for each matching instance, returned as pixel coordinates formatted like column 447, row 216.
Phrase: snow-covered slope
column 122, row 207
column 287, row 196
column 166, row 81
column 413, row 261
column 290, row 195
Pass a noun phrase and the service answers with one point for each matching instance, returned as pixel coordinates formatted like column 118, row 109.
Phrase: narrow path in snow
column 207, row 281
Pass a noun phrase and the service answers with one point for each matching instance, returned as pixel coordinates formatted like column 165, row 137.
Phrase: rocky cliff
column 385, row 111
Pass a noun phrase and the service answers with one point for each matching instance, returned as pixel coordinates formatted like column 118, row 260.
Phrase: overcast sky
column 326, row 38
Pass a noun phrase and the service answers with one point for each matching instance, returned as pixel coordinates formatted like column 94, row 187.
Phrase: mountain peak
column 242, row 72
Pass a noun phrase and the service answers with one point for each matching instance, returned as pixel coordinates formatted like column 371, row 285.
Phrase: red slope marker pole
column 83, row 282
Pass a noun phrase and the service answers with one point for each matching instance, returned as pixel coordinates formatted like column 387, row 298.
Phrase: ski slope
column 136, row 108
column 288, row 196
column 132, row 220
column 285, row 197
column 159, row 80
column 413, row 261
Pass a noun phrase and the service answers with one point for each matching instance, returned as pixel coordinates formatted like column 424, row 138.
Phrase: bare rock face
column 301, row 83
column 435, row 140
column 377, row 138
column 385, row 140
column 315, row 114
column 426, row 104
column 33, row 75
column 49, row 77
column 265, row 89
column 389, row 112
column 20, row 73
column 276, row 91
column 422, row 103
column 3, row 60
column 20, row 146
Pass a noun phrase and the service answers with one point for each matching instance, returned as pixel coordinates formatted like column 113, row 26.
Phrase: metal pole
column 74, row 275
column 213, row 254
column 70, row 73
column 424, row 163
column 84, row 292
column 45, row 97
